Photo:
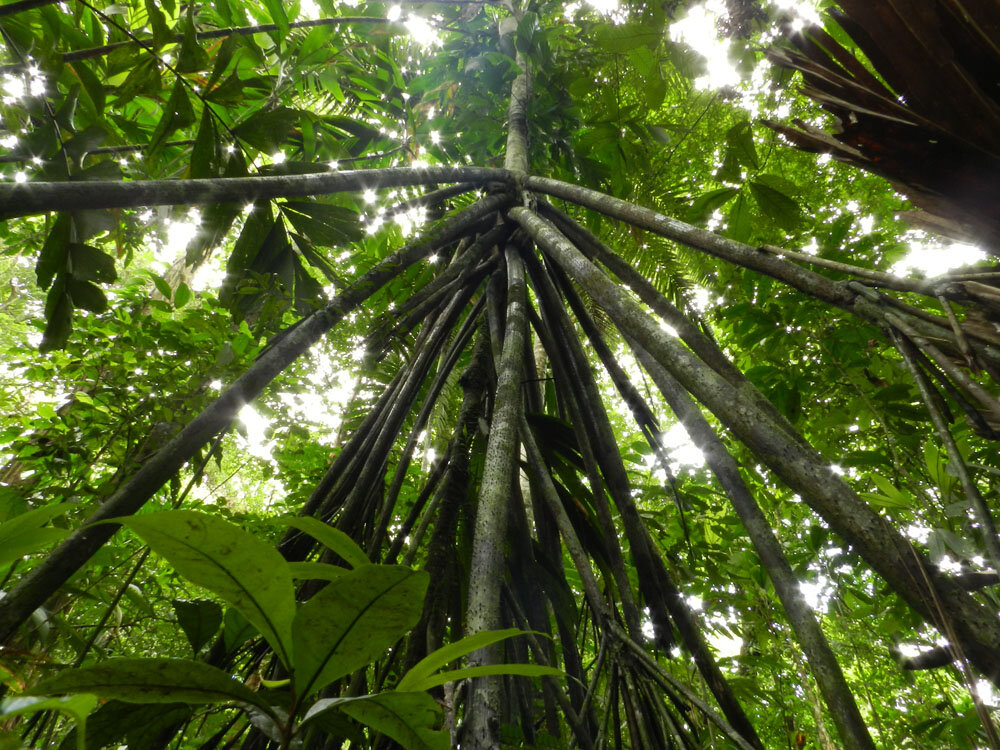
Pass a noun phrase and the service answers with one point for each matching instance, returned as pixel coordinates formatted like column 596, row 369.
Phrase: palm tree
column 532, row 504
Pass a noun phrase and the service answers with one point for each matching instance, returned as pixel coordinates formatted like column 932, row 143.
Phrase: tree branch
column 25, row 199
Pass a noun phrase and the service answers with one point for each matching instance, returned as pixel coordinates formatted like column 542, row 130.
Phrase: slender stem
column 663, row 675
column 355, row 508
column 445, row 464
column 555, row 334
column 542, row 480
column 887, row 280
column 972, row 493
column 430, row 400
column 974, row 389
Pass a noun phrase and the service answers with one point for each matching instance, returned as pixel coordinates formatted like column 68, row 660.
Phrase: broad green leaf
column 236, row 629
column 143, row 80
column 706, row 203
column 29, row 542
column 161, row 286
column 268, row 129
column 775, row 205
column 740, row 139
column 87, row 295
column 408, row 718
column 199, row 619
column 58, row 317
column 322, row 223
column 55, row 251
column 334, row 539
column 24, row 533
column 656, row 90
column 885, row 501
column 276, row 9
column 222, row 59
column 623, row 38
column 204, row 153
column 158, row 22
column 191, row 57
column 177, row 114
column 90, row 264
column 521, row 670
column 423, row 669
column 353, row 620
column 77, row 707
column 243, row 570
column 738, row 225
column 182, row 295
column 93, row 90
column 315, row 571
column 156, row 680
column 660, row 134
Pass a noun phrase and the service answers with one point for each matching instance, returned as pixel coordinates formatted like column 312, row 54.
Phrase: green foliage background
column 105, row 354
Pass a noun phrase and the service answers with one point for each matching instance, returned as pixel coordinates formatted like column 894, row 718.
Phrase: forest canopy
column 530, row 374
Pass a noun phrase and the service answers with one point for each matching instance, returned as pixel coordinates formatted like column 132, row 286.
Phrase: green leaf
column 322, row 223
column 161, row 286
column 706, row 203
column 204, row 153
column 243, row 570
column 268, row 129
column 353, row 620
column 421, row 671
column 885, row 501
column 655, row 90
column 182, row 295
column 158, row 22
column 192, row 57
column 660, row 134
column 87, row 295
column 276, row 9
column 222, row 59
column 738, row 225
column 522, row 670
column 334, row 539
column 156, row 680
column 77, row 707
column 315, row 571
column 144, row 79
column 776, row 205
column 18, row 535
column 199, row 619
column 740, row 140
column 58, row 317
column 90, row 264
column 236, row 629
column 177, row 114
column 623, row 38
column 55, row 251
column 93, row 89
column 408, row 718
